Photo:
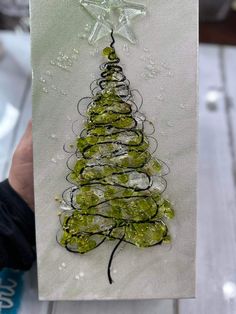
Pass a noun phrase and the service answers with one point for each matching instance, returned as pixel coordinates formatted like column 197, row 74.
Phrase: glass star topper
column 113, row 15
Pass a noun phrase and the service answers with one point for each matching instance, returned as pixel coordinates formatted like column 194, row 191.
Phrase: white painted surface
column 141, row 274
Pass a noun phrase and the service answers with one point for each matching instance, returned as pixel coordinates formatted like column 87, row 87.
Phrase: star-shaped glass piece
column 113, row 15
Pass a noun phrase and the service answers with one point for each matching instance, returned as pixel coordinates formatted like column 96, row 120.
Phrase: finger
column 27, row 136
column 28, row 131
column 24, row 150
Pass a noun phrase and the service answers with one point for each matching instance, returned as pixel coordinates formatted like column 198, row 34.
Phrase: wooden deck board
column 229, row 68
column 216, row 250
column 115, row 307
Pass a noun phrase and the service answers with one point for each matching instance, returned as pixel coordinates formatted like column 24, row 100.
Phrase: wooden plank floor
column 216, row 249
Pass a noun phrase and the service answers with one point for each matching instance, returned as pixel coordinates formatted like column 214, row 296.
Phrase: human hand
column 21, row 172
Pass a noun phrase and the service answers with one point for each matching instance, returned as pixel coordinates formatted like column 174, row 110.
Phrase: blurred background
column 216, row 243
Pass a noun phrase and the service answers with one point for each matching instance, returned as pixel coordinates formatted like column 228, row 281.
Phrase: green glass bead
column 107, row 51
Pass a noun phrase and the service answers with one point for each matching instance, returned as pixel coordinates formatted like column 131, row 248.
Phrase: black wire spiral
column 122, row 134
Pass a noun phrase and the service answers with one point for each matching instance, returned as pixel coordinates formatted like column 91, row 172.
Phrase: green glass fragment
column 166, row 210
column 145, row 234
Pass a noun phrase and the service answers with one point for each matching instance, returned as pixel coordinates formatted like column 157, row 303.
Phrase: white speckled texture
column 169, row 32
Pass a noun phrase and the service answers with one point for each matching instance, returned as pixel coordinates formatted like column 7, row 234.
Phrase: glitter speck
column 160, row 97
column 63, row 265
column 170, row 123
column 60, row 268
column 63, row 92
column 74, row 57
column 42, row 80
column 149, row 67
column 77, row 277
column 81, row 274
column 60, row 156
column 53, row 135
column 114, row 271
column 45, row 90
column 165, row 65
column 54, row 160
column 48, row 73
column 144, row 75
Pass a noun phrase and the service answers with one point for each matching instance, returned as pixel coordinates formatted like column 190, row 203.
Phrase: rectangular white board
column 162, row 66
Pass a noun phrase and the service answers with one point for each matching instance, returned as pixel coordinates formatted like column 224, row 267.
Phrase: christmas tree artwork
column 117, row 184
